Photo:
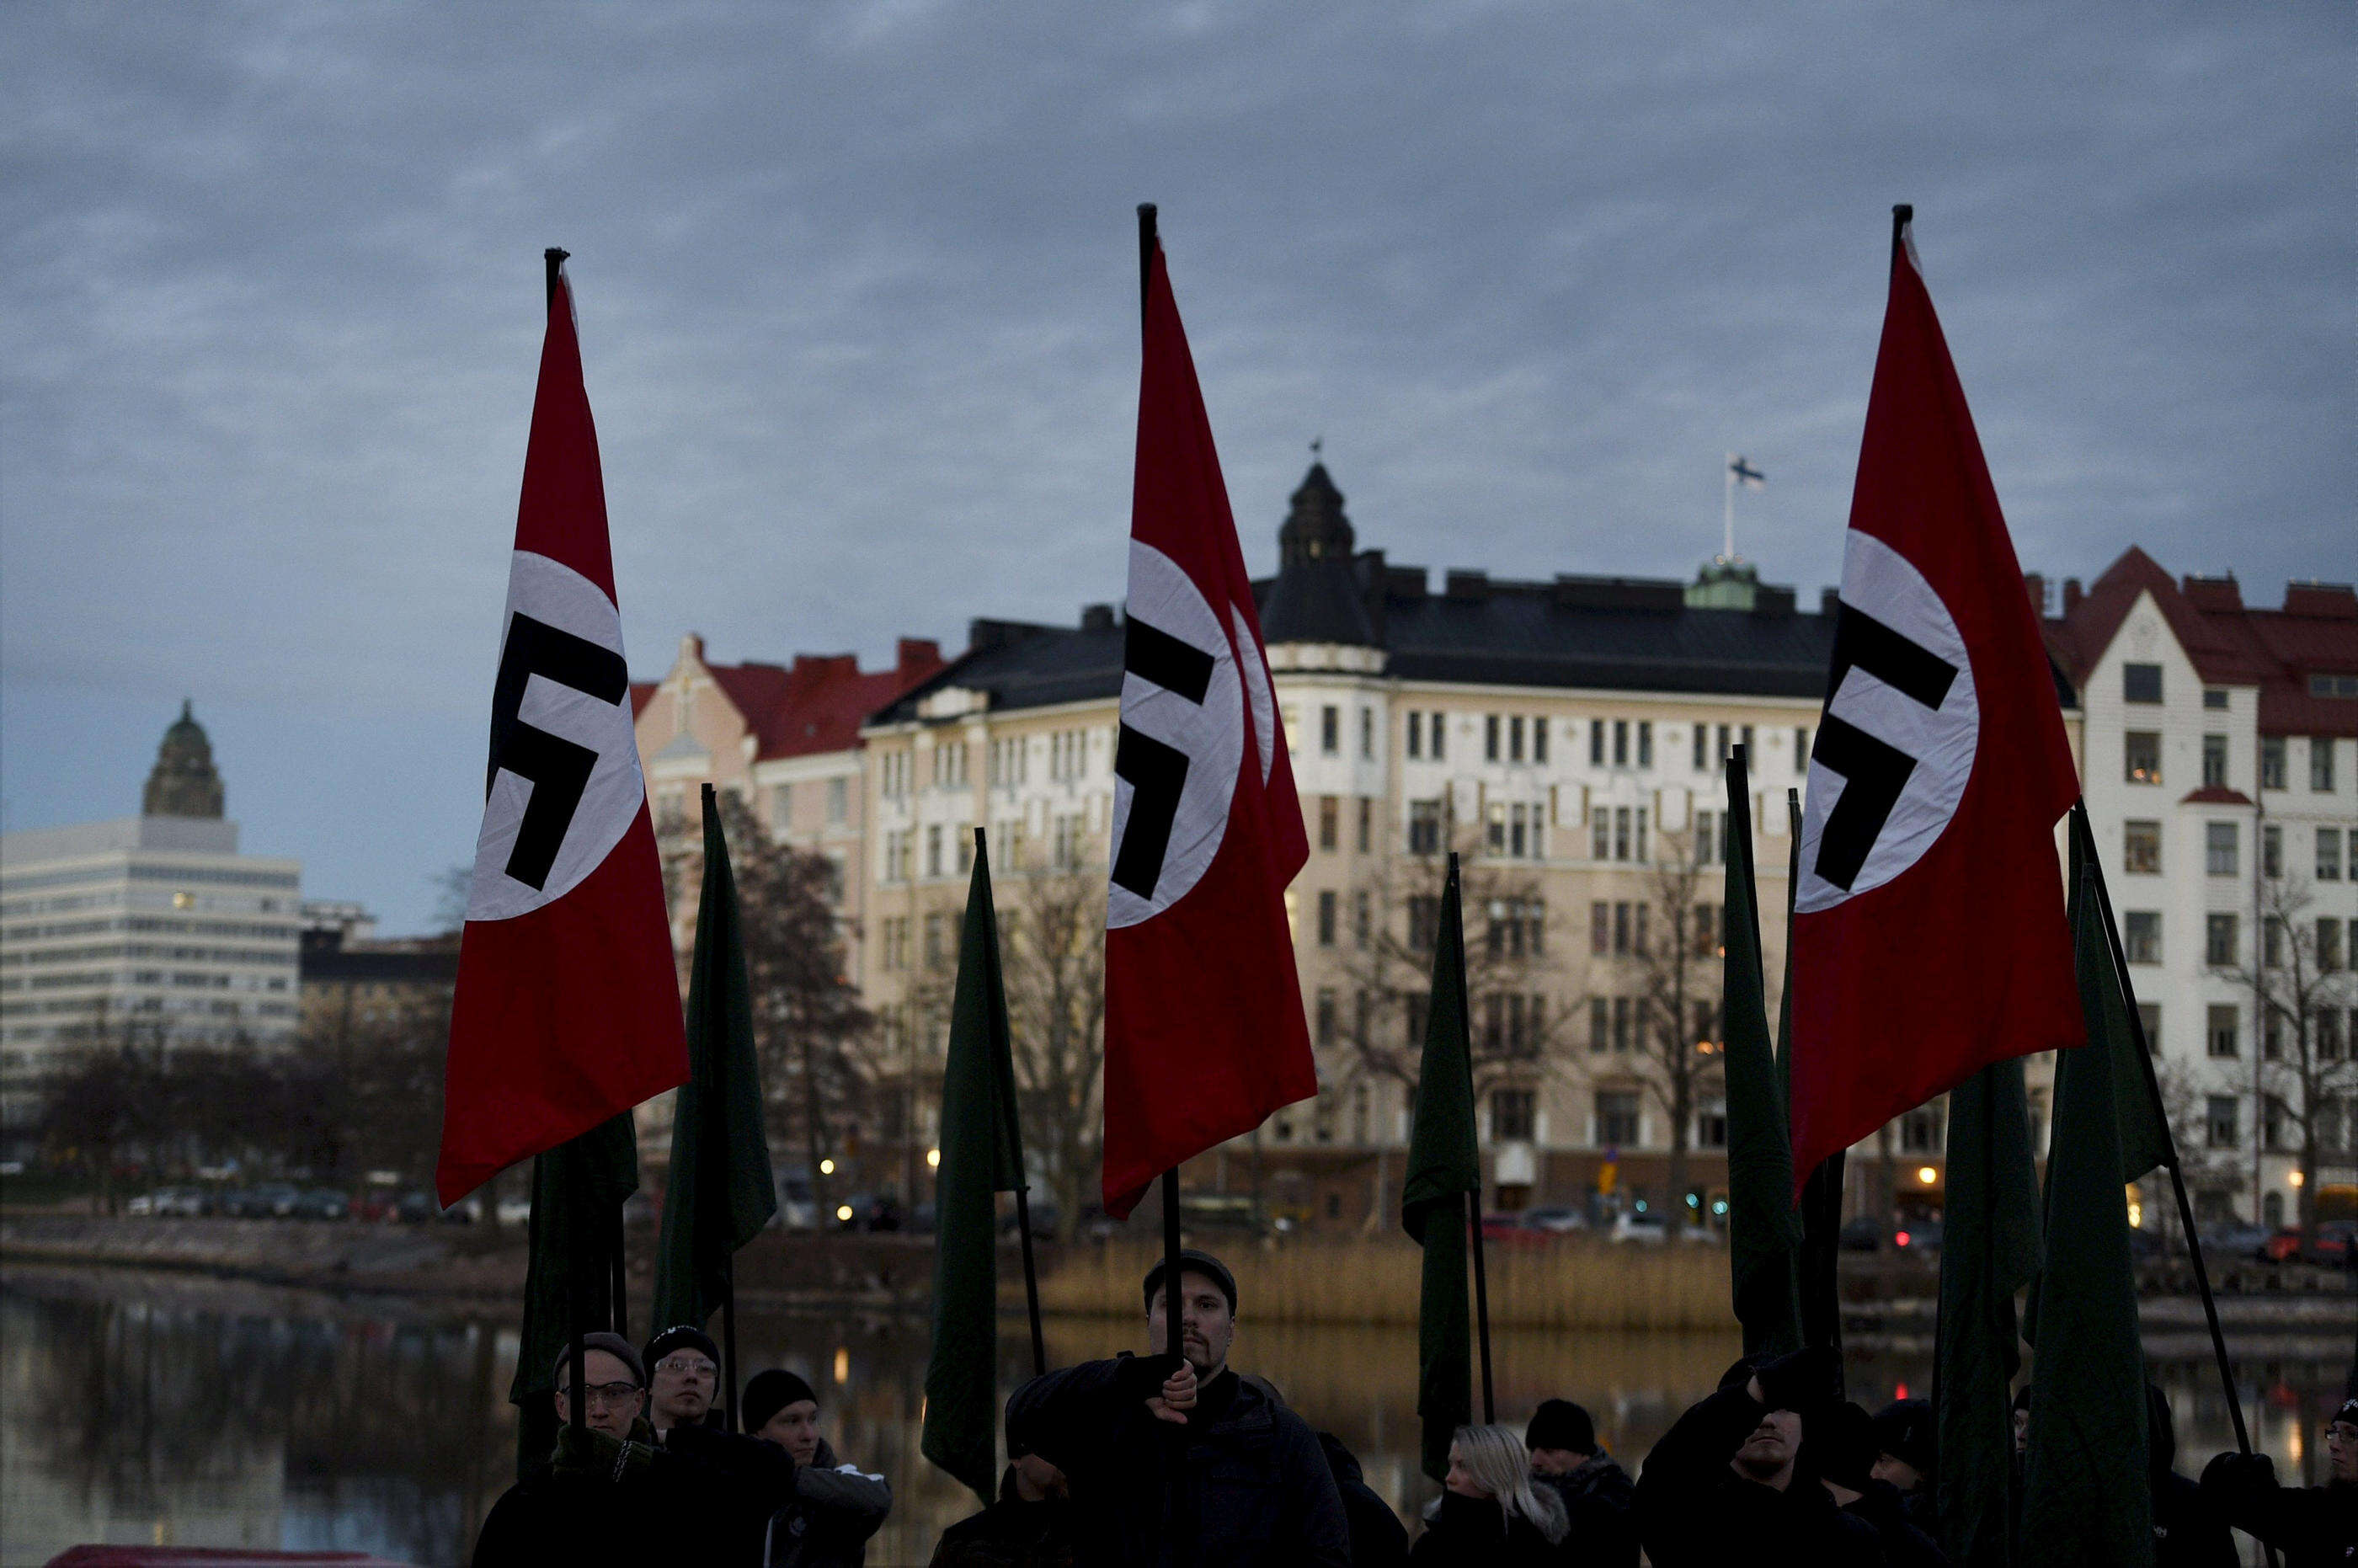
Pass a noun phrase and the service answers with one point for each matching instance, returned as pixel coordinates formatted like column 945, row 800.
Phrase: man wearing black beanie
column 1844, row 1448
column 1731, row 1482
column 787, row 1498
column 1598, row 1498
column 1031, row 1525
column 1903, row 1440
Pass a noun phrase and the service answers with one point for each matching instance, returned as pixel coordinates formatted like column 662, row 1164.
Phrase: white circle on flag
column 1209, row 734
column 557, row 596
column 1880, row 583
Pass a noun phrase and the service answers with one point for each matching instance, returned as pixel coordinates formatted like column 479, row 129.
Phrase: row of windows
column 2279, row 1128
column 2141, row 855
column 267, row 930
column 782, row 804
column 1612, row 742
column 275, row 958
column 2141, row 760
column 2142, row 684
column 2330, row 1030
column 2331, row 942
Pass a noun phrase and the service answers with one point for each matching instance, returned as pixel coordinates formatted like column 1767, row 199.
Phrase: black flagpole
column 1174, row 1343
column 1473, row 1208
column 729, row 1341
column 578, row 1401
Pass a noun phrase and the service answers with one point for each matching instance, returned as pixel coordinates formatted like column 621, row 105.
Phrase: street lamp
column 827, row 1167
column 1927, row 1175
column 933, row 1159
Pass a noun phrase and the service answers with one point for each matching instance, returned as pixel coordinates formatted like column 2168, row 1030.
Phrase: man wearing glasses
column 687, row 1384
column 2313, row 1526
column 610, row 1493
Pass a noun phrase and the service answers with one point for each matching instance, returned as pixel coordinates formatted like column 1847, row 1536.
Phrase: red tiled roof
column 2229, row 643
column 641, row 692
column 819, row 702
column 2216, row 794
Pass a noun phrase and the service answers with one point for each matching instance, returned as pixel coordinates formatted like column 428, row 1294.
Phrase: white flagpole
column 1727, row 527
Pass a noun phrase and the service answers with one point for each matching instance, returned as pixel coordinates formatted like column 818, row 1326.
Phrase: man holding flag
column 1172, row 1457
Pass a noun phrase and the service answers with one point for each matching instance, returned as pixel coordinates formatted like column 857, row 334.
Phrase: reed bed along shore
column 1571, row 1283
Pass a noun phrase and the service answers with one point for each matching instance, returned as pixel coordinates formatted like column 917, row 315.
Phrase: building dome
column 184, row 782
column 1316, row 529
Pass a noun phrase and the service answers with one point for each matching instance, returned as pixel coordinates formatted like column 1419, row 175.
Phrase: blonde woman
column 1488, row 1512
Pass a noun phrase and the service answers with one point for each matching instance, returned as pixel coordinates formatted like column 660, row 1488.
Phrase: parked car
column 1917, row 1236
column 515, row 1210
column 872, row 1211
column 416, row 1208
column 2235, row 1240
column 1864, row 1234
column 1646, row 1229
column 2336, row 1241
column 321, row 1203
column 1554, row 1219
column 797, row 1202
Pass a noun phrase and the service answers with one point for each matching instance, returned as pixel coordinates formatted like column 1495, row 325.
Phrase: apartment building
column 2221, row 770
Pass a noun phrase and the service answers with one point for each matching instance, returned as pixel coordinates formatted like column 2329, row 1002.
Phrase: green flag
column 1763, row 1234
column 578, row 1190
column 2145, row 1139
column 721, row 1193
column 2086, row 1500
column 1817, row 1257
column 981, row 1156
column 1442, row 1168
column 1990, row 1250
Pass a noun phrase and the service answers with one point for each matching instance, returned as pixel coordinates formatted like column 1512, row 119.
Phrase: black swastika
column 1156, row 770
column 1874, row 772
column 557, row 769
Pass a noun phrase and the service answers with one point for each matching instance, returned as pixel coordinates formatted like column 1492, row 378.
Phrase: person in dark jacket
column 1844, row 1449
column 1378, row 1540
column 2187, row 1530
column 831, row 1509
column 1253, row 1488
column 1491, row 1513
column 1600, row 1502
column 1903, row 1440
column 611, row 1493
column 1031, row 1525
column 2314, row 1527
column 1726, row 1484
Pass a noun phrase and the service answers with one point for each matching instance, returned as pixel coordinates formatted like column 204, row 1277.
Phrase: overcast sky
column 858, row 299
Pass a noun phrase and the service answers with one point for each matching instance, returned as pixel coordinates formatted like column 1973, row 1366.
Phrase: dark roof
column 325, row 959
column 1022, row 664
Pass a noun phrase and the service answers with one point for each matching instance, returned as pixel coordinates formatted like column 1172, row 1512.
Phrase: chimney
column 2035, row 586
column 917, row 656
column 1829, row 601
column 1097, row 617
column 2072, row 594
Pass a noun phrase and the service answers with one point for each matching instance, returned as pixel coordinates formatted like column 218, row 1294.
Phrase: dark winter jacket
column 1011, row 1533
column 827, row 1523
column 1377, row 1538
column 2187, row 1531
column 1477, row 1533
column 1904, row 1545
column 1601, row 1504
column 1256, row 1489
column 1695, row 1511
column 2314, row 1527
column 749, row 1477
column 603, row 1500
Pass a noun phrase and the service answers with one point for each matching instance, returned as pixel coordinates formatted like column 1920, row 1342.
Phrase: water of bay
column 172, row 1409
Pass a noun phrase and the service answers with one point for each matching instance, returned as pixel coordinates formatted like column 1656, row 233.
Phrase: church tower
column 184, row 782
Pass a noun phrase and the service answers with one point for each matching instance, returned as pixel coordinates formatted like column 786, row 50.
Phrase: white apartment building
column 2220, row 763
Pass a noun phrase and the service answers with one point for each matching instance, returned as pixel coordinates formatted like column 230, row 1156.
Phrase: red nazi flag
column 1203, row 1030
column 568, row 1005
column 1929, row 933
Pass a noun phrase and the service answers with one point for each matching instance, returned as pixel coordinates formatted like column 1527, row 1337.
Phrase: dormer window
column 2141, row 683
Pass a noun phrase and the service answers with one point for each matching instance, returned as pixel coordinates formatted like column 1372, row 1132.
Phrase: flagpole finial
column 1147, row 240
column 554, row 260
column 1902, row 215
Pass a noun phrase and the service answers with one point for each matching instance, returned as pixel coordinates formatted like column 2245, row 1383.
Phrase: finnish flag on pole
column 568, row 1004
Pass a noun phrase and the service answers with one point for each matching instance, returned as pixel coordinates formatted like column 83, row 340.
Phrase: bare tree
column 1676, row 1036
column 2307, row 1069
column 809, row 1029
column 1051, row 955
column 1386, row 942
